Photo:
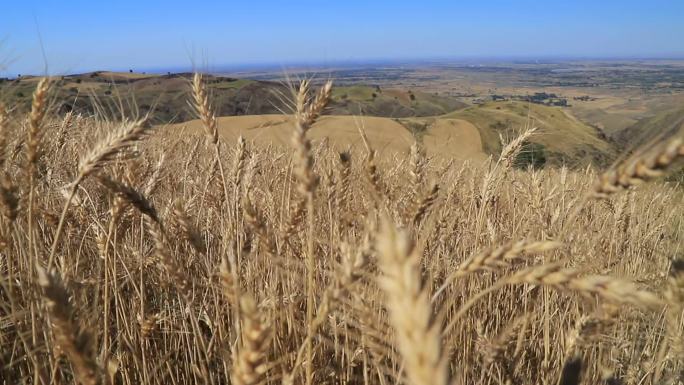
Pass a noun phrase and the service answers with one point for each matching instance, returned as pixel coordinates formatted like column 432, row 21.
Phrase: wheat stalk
column 674, row 296
column 306, row 112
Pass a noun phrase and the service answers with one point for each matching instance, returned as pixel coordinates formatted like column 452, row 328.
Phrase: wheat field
column 131, row 255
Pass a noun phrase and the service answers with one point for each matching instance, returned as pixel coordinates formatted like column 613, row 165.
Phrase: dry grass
column 134, row 259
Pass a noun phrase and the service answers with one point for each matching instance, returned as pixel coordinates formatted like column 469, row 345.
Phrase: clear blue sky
column 80, row 35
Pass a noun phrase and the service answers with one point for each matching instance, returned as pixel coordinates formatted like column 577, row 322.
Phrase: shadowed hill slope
column 664, row 124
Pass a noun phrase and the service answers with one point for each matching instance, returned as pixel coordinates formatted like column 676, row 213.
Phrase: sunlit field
column 130, row 254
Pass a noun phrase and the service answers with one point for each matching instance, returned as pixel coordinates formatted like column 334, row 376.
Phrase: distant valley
column 585, row 112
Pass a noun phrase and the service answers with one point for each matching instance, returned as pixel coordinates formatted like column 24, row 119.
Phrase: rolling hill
column 393, row 118
column 393, row 103
column 565, row 139
column 472, row 133
column 165, row 96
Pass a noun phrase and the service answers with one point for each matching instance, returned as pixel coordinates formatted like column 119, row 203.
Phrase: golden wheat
column 418, row 334
column 473, row 289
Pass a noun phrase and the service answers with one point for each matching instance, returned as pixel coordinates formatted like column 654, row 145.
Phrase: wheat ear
column 565, row 279
column 4, row 123
column 513, row 148
column 178, row 276
column 417, row 333
column 130, row 196
column 9, row 198
column 417, row 169
column 73, row 341
column 190, row 233
column 640, row 169
column 38, row 110
column 203, row 108
column 256, row 221
column 495, row 259
column 106, row 149
column 423, row 203
column 609, row 288
column 104, row 152
column 239, row 161
column 250, row 364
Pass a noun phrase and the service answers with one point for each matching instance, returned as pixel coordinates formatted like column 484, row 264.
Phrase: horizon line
column 328, row 64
